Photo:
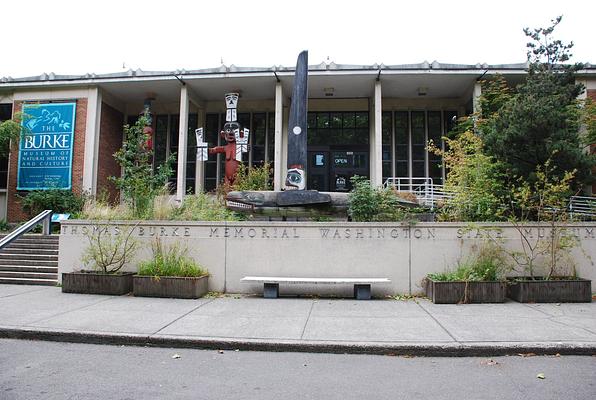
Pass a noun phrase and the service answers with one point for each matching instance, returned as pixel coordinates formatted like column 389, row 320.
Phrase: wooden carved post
column 297, row 156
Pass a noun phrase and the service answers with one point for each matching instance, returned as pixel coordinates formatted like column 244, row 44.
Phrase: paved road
column 47, row 370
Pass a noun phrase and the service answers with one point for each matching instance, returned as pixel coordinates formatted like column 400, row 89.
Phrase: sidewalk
column 296, row 324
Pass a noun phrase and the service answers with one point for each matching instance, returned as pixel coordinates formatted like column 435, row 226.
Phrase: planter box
column 91, row 282
column 170, row 286
column 525, row 290
column 455, row 292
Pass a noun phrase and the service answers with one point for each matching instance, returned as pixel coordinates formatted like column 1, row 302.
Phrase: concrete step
column 30, row 260
column 33, row 235
column 31, row 245
column 28, row 281
column 29, row 263
column 36, row 241
column 29, row 268
column 46, row 252
column 27, row 275
column 30, row 257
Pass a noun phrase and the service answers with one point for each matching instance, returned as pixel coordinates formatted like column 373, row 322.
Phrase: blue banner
column 45, row 150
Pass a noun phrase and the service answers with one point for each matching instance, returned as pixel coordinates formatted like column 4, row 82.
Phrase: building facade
column 373, row 121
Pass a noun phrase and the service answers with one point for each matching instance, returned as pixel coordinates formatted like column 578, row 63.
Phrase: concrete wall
column 404, row 254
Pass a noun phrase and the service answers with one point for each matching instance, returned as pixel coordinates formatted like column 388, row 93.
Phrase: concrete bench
column 271, row 284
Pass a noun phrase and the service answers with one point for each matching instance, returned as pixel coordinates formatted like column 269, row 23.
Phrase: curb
column 451, row 349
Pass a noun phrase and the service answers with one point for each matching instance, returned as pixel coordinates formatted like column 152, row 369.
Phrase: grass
column 200, row 207
column 486, row 264
column 203, row 207
column 170, row 260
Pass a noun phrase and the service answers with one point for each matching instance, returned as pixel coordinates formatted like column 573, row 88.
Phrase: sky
column 78, row 37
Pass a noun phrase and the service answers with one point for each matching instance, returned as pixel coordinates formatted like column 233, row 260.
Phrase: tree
column 589, row 121
column 10, row 131
column 541, row 121
column 473, row 177
column 139, row 183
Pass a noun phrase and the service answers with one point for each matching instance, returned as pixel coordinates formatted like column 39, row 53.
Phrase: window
column 411, row 132
column 387, row 133
column 337, row 128
column 434, row 133
column 166, row 142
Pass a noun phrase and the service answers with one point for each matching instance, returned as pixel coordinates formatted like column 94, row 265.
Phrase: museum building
column 370, row 120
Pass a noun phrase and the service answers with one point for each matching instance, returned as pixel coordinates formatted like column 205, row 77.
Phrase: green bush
column 4, row 226
column 368, row 204
column 170, row 260
column 486, row 264
column 474, row 179
column 255, row 178
column 58, row 200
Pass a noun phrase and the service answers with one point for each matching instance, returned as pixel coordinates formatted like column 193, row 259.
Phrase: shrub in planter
column 546, row 268
column 171, row 273
column 105, row 256
column 480, row 279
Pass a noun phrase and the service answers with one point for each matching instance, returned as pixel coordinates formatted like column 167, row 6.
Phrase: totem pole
column 297, row 156
column 235, row 136
column 148, row 129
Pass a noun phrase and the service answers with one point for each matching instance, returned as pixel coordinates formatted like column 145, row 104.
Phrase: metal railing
column 430, row 195
column 44, row 218
column 583, row 207
column 426, row 191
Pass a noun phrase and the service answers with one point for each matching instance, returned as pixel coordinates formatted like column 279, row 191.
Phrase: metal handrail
column 44, row 217
column 582, row 206
column 426, row 191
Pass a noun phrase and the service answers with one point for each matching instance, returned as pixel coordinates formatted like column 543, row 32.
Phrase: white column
column 476, row 97
column 182, row 143
column 200, row 165
column 92, row 128
column 277, row 162
column 376, row 143
column 284, row 145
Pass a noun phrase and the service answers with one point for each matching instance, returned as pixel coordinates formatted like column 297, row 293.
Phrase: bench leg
column 362, row 292
column 271, row 290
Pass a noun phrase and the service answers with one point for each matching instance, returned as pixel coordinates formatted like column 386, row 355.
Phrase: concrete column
column 376, row 143
column 278, row 142
column 182, row 143
column 200, row 165
column 284, row 145
column 93, row 123
column 476, row 97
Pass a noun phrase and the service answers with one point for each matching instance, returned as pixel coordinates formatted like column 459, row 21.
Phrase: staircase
column 30, row 260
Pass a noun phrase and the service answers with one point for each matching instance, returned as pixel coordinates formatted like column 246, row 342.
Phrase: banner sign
column 45, row 151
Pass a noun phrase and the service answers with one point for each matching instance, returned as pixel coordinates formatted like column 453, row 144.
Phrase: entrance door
column 318, row 171
column 346, row 164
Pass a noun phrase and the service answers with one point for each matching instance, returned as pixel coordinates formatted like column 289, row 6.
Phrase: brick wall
column 591, row 93
column 15, row 211
column 110, row 140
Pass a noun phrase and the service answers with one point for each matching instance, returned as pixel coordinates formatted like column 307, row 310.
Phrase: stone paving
column 299, row 324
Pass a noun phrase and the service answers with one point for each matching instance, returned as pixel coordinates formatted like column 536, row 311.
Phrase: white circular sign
column 297, row 130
